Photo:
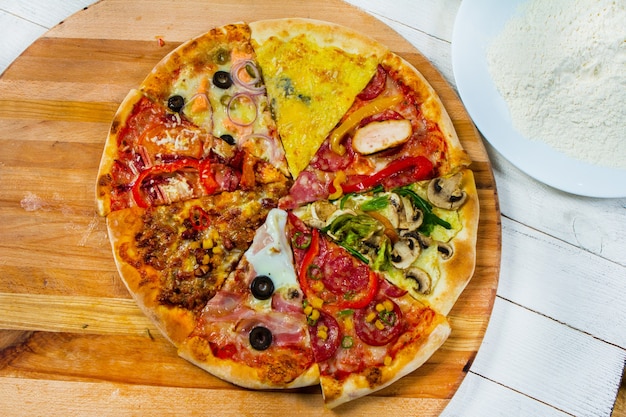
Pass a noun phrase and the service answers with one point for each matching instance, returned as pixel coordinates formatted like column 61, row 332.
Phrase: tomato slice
column 324, row 347
column 376, row 326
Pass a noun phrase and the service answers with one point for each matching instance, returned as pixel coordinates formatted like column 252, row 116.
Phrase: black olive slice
column 222, row 79
column 262, row 287
column 176, row 103
column 260, row 338
column 228, row 139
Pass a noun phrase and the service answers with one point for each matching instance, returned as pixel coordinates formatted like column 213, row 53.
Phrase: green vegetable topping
column 430, row 219
column 347, row 342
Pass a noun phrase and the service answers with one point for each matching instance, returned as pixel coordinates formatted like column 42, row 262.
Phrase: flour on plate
column 561, row 68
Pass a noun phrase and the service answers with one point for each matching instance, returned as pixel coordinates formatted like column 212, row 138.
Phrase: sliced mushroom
column 446, row 192
column 405, row 251
column 424, row 241
column 445, row 250
column 421, row 278
column 321, row 211
column 412, row 217
column 378, row 136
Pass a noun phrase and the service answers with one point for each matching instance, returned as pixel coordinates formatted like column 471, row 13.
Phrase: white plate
column 477, row 22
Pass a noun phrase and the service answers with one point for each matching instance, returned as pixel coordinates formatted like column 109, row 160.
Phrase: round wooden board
column 93, row 351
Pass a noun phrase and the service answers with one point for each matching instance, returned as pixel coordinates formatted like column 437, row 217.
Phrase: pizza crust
column 197, row 351
column 109, row 154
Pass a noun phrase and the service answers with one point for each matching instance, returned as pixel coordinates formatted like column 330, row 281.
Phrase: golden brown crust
column 109, row 154
column 456, row 272
column 276, row 370
column 432, row 108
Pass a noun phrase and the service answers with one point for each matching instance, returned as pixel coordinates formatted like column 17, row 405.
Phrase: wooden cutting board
column 71, row 339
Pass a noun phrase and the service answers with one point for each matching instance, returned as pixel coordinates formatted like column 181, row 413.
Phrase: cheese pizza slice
column 313, row 71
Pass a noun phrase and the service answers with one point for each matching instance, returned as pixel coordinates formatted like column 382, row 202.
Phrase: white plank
column 549, row 362
column 10, row 44
column 46, row 13
column 479, row 397
column 592, row 224
column 436, row 50
column 416, row 14
column 574, row 287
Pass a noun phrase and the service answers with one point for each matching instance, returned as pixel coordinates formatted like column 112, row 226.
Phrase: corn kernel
column 317, row 286
column 207, row 243
column 217, row 250
column 388, row 305
column 380, row 307
column 348, row 323
column 370, row 317
column 323, row 327
column 308, row 309
column 387, row 360
column 316, row 302
column 379, row 325
column 322, row 334
column 206, row 259
column 315, row 314
column 194, row 245
column 214, row 234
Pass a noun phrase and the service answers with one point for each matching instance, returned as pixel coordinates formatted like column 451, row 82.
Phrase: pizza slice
column 174, row 258
column 421, row 237
column 154, row 156
column 253, row 333
column 396, row 132
column 365, row 332
column 214, row 81
column 313, row 71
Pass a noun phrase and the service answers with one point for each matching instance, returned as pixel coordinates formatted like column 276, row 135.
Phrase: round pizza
column 289, row 203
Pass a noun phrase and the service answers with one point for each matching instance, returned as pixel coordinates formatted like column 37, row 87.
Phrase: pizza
column 288, row 201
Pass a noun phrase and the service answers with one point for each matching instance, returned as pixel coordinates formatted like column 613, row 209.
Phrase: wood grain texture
column 76, row 338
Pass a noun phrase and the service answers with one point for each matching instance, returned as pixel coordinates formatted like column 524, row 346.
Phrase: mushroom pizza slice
column 421, row 237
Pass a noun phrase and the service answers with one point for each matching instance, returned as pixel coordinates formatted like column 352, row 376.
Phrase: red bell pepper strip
column 307, row 261
column 207, row 178
column 199, row 218
column 421, row 164
column 309, row 271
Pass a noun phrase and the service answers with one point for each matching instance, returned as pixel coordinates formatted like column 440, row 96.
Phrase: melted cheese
column 311, row 88
column 270, row 253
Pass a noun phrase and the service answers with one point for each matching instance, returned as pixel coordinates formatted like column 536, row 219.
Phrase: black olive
column 228, row 139
column 260, row 338
column 222, row 79
column 262, row 287
column 175, row 103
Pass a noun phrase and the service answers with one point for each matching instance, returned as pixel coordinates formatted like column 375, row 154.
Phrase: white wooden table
column 556, row 342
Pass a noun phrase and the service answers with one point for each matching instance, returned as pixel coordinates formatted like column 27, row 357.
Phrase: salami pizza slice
column 253, row 333
column 421, row 237
column 396, row 132
column 365, row 332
